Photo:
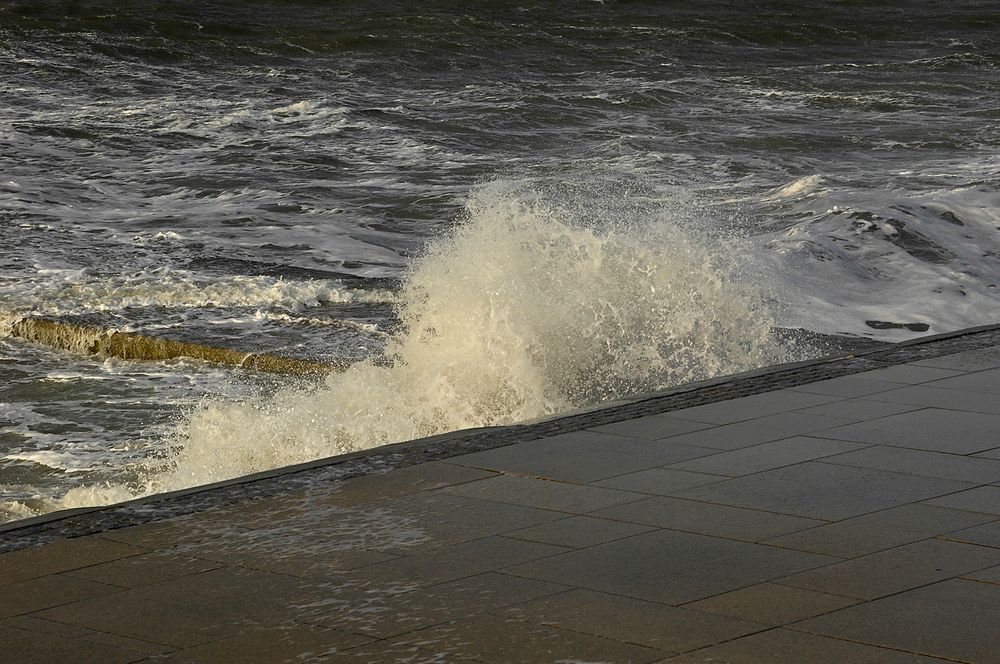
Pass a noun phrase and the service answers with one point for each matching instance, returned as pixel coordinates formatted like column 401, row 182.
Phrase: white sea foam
column 521, row 312
column 59, row 291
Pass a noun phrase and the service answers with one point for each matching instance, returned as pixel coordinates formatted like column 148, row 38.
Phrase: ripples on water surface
column 526, row 209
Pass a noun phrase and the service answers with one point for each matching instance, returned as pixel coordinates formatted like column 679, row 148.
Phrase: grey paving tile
column 933, row 397
column 299, row 643
column 880, row 530
column 782, row 646
column 947, row 620
column 846, row 386
column 411, row 611
column 668, row 566
column 910, row 374
column 988, row 454
column 972, row 360
column 190, row 610
column 652, row 427
column 60, row 556
column 583, row 456
column 144, row 648
column 751, row 407
column 443, row 519
column 990, row 575
column 39, row 626
column 543, row 494
column 986, row 382
column 708, row 519
column 400, row 482
column 895, row 570
column 144, row 570
column 632, row 621
column 823, row 491
column 857, row 410
column 931, row 429
column 921, row 462
column 767, row 456
column 458, row 560
column 385, row 652
column 987, row 534
column 660, row 481
column 47, row 591
column 984, row 499
column 579, row 532
column 26, row 648
column 772, row 604
column 755, row 432
column 505, row 641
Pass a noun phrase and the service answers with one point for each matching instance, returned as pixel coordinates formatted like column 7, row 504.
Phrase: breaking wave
column 522, row 311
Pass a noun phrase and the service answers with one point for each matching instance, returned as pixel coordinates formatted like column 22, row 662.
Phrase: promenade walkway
column 844, row 520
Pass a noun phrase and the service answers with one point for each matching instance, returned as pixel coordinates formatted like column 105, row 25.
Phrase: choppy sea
column 498, row 211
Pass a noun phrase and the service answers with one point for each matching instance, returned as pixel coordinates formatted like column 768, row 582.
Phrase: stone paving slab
column 849, row 514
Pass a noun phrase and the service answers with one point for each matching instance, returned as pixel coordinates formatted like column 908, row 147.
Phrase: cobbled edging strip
column 88, row 521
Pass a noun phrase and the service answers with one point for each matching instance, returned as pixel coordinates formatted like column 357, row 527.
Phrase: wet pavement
column 846, row 519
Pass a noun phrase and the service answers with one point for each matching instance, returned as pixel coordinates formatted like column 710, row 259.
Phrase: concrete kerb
column 85, row 521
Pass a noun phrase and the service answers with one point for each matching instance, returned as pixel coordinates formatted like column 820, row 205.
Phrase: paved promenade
column 845, row 520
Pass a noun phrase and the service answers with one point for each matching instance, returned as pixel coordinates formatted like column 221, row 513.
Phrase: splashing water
column 522, row 311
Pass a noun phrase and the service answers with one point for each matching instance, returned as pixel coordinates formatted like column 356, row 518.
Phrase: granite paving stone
column 781, row 646
column 652, row 427
column 984, row 499
column 933, row 429
column 441, row 519
column 772, row 604
column 708, row 519
column 846, row 386
column 892, row 571
column 229, row 601
column 755, row 432
column 670, row 567
column 60, row 556
column 921, row 462
column 988, row 534
column 579, row 532
column 989, row 575
column 24, row 647
column 582, row 457
column 987, row 382
column 823, row 491
column 856, row 410
column 911, row 374
column 933, row 397
column 455, row 561
column 417, row 609
column 504, row 641
column 422, row 477
column 632, row 621
column 880, row 530
column 543, row 494
column 143, row 570
column 379, row 652
column 751, row 407
column 660, row 481
column 32, row 595
column 299, row 643
column 954, row 619
column 767, row 456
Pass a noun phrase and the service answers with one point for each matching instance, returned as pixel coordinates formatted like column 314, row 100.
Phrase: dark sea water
column 515, row 209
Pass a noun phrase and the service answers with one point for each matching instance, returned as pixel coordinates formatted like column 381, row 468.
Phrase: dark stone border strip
column 86, row 521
